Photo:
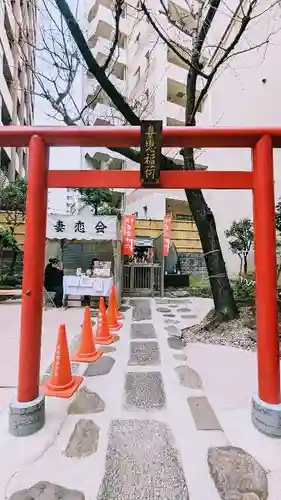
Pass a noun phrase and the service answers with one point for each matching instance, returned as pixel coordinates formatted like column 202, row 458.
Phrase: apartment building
column 245, row 93
column 17, row 60
column 151, row 77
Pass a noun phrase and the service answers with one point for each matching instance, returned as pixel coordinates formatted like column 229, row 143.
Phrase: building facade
column 17, row 63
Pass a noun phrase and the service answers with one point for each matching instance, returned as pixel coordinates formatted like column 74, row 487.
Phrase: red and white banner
column 128, row 234
column 167, row 231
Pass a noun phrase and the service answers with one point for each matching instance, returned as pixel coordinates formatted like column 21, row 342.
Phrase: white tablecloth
column 82, row 285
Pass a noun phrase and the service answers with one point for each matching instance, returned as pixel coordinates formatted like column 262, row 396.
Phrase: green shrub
column 244, row 288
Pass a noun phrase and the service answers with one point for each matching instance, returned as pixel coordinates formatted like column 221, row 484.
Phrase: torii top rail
column 259, row 179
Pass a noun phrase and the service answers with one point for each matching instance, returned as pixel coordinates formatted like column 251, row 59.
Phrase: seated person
column 53, row 281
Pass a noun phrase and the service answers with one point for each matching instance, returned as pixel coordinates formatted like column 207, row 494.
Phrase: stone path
column 141, row 427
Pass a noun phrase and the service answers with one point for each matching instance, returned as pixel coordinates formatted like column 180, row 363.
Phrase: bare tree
column 197, row 26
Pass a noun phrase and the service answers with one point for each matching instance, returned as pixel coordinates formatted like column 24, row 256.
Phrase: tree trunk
column 241, row 267
column 220, row 285
column 96, row 209
column 245, row 265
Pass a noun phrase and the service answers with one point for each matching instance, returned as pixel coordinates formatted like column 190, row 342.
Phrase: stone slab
column 236, row 474
column 174, row 331
column 144, row 353
column 163, row 310
column 143, row 331
column 180, row 357
column 100, row 367
column 188, row 316
column 175, row 343
column 203, row 414
column 142, row 309
column 26, row 418
column 84, row 439
column 188, row 377
column 47, row 491
column 183, row 309
column 171, row 322
column 86, row 401
column 108, row 348
column 169, row 315
column 266, row 417
column 142, row 462
column 144, row 390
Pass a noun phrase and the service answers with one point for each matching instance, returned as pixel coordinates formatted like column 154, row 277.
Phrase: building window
column 147, row 94
column 7, row 73
column 137, row 75
column 147, row 58
column 137, row 38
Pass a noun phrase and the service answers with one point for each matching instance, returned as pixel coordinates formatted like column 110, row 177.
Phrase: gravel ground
column 231, row 333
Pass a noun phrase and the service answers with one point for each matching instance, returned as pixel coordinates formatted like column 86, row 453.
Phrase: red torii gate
column 266, row 407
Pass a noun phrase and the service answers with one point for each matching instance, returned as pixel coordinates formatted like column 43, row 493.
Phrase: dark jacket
column 53, row 277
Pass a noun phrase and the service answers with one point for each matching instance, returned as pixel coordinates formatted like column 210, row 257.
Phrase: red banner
column 167, row 231
column 128, row 234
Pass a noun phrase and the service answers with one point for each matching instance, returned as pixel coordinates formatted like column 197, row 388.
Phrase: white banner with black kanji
column 78, row 227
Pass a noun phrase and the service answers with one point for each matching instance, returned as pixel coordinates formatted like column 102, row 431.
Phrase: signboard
column 79, row 227
column 128, row 234
column 167, row 231
column 150, row 151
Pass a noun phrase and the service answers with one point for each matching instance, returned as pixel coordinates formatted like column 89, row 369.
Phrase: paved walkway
column 153, row 419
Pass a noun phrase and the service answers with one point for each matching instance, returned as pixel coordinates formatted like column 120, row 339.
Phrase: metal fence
column 143, row 279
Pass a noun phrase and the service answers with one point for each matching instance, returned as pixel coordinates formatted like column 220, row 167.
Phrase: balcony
column 105, row 115
column 92, row 86
column 103, row 46
column 108, row 4
column 103, row 21
column 101, row 159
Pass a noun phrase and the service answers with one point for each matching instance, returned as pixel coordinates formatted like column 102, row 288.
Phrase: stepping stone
column 173, row 305
column 173, row 330
column 47, row 491
column 142, row 462
column 188, row 316
column 84, row 439
column 163, row 310
column 108, row 348
column 144, row 353
column 175, row 343
column 203, row 414
column 180, row 357
column 169, row 315
column 74, row 368
column 143, row 331
column 142, row 309
column 86, row 401
column 237, row 474
column 100, row 367
column 144, row 390
column 183, row 309
column 171, row 322
column 188, row 377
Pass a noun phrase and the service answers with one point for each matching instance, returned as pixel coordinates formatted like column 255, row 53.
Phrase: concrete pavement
column 154, row 419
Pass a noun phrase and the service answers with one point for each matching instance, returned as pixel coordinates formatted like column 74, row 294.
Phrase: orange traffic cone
column 118, row 314
column 87, row 352
column 62, row 383
column 103, row 335
column 111, row 312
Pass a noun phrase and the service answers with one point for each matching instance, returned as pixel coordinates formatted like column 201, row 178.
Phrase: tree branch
column 171, row 44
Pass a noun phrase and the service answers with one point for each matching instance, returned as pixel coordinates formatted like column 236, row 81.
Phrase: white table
column 82, row 285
